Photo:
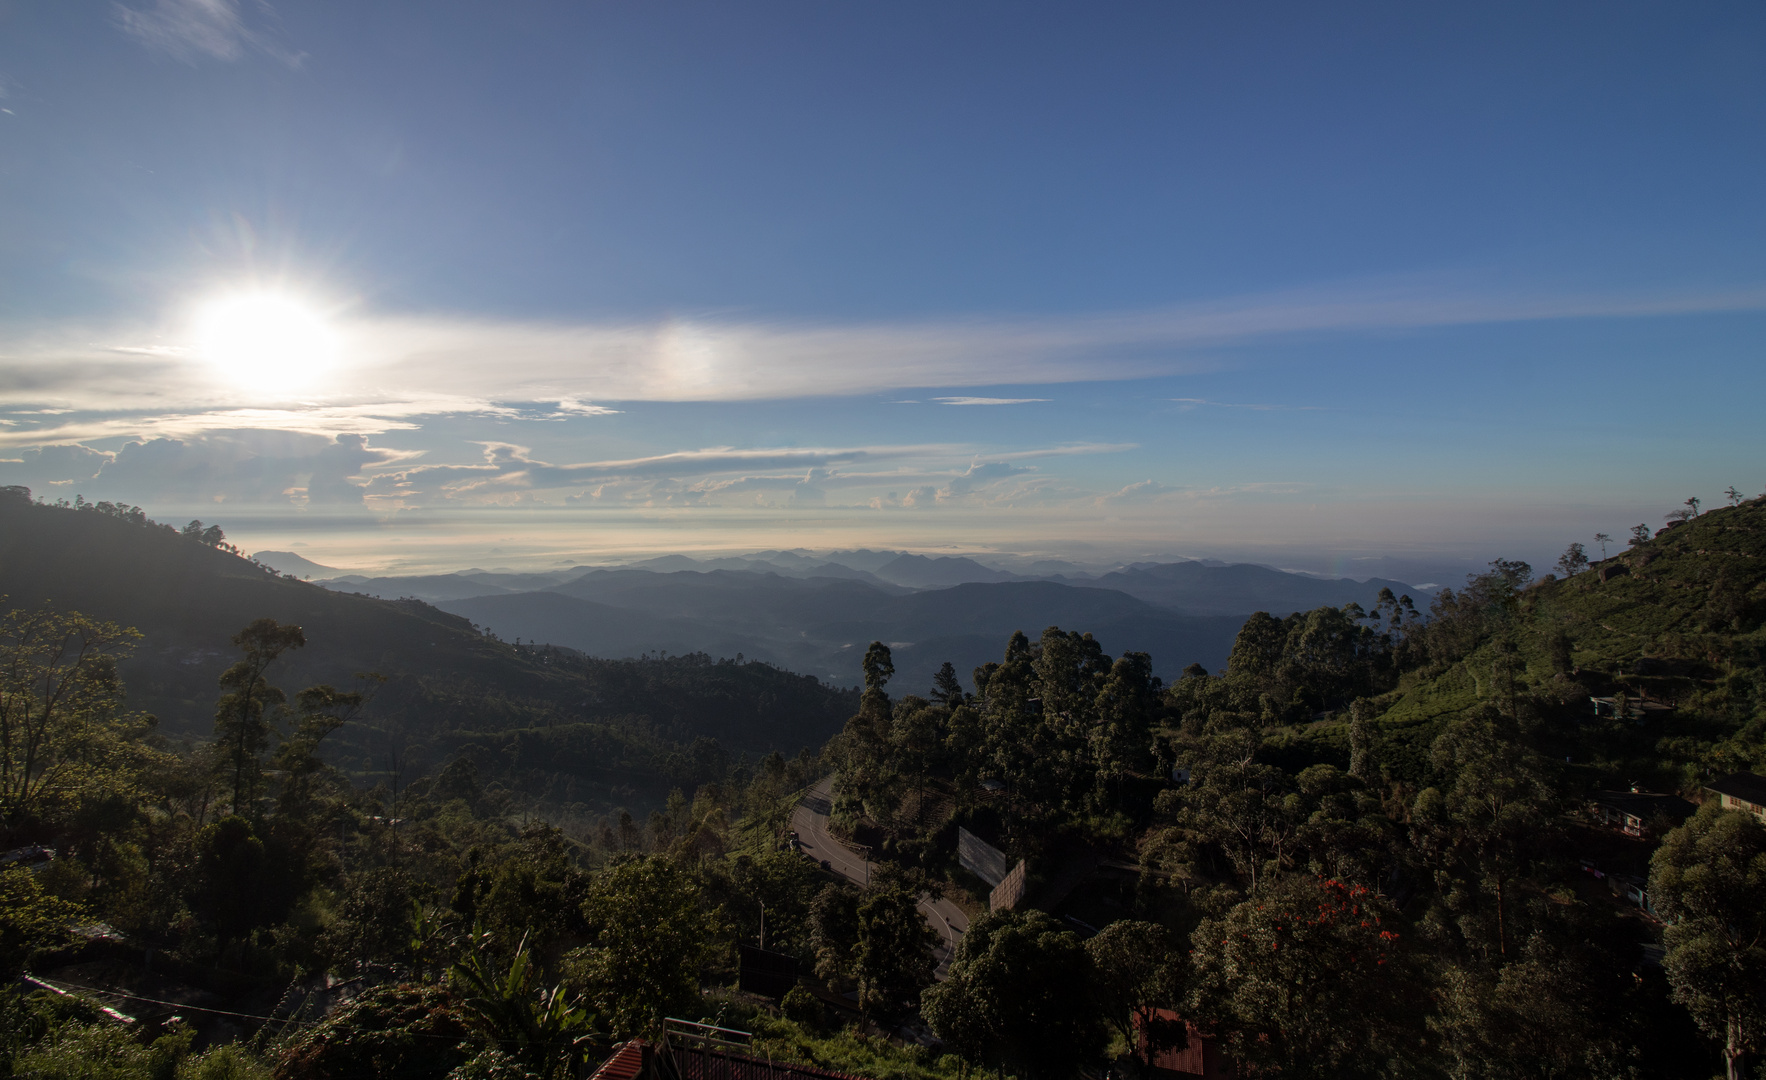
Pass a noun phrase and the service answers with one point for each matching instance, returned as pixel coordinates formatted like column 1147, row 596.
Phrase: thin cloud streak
column 931, row 473
column 326, row 421
column 723, row 361
column 508, row 459
column 398, row 366
column 244, row 466
column 190, row 30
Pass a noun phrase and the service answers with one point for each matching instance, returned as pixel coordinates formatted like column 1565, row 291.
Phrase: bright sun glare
column 266, row 341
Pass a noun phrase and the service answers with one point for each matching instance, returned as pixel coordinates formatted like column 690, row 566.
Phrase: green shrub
column 802, row 1007
column 224, row 1063
column 390, row 1033
column 93, row 1052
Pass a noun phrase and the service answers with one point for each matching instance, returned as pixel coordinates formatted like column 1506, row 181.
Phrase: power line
column 59, row 984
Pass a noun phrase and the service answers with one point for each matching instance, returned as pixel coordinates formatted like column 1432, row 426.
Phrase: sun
column 266, row 341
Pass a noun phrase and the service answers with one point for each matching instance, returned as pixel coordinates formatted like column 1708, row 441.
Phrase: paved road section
column 810, row 819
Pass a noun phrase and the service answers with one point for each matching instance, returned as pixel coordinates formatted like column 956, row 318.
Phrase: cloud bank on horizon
column 272, row 259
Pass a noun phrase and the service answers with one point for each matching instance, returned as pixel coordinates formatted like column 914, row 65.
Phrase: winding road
column 810, row 820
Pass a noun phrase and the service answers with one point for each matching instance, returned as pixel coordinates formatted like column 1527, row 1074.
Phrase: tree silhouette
column 946, row 690
column 878, row 666
column 1573, row 561
column 240, row 721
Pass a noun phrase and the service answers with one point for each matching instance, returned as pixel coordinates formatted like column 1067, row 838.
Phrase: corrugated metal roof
column 1646, row 804
column 625, row 1064
column 1742, row 785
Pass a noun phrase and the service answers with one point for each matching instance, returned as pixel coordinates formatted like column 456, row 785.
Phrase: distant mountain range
column 1240, row 589
column 815, row 614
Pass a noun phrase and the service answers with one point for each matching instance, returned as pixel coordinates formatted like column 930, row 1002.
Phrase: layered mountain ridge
column 807, row 613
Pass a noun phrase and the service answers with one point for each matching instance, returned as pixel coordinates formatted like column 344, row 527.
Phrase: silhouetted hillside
column 445, row 676
column 922, row 572
column 427, row 587
column 761, row 600
column 599, row 629
column 295, row 565
column 821, row 625
column 1240, row 588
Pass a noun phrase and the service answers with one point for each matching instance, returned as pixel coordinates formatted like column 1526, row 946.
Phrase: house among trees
column 1639, row 813
column 1741, row 791
column 1629, row 708
column 1198, row 1056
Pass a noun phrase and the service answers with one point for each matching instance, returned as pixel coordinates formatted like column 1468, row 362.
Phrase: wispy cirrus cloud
column 868, row 474
column 324, row 421
column 508, row 459
column 1064, row 450
column 192, row 30
column 716, row 360
column 397, row 364
column 1150, row 491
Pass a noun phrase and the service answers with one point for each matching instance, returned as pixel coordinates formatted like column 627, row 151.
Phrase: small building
column 1637, row 709
column 981, row 858
column 767, row 973
column 32, row 856
column 1179, row 1049
column 1639, row 813
column 1010, row 891
column 1741, row 791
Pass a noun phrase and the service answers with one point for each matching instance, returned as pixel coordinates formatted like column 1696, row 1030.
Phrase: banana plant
column 429, row 938
column 543, row 1027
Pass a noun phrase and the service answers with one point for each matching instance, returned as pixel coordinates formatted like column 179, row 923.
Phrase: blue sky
column 432, row 285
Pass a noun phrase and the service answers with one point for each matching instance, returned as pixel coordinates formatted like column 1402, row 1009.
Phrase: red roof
column 625, row 1064
column 1199, row 1056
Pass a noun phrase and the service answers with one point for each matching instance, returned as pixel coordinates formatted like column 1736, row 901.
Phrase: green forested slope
column 1675, row 620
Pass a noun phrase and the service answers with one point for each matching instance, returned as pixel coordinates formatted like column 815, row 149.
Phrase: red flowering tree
column 1308, row 977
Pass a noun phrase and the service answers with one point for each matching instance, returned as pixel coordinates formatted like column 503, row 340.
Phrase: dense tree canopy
column 62, row 724
column 1020, row 996
column 1709, row 877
